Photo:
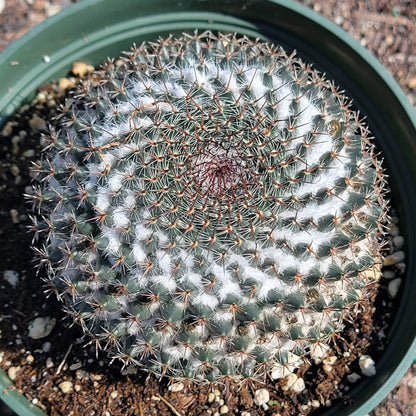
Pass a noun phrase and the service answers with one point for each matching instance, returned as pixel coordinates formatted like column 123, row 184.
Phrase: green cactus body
column 211, row 205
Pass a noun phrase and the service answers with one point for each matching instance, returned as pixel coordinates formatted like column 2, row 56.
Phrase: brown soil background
column 386, row 27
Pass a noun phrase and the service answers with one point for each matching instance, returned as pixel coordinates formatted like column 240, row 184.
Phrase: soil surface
column 387, row 28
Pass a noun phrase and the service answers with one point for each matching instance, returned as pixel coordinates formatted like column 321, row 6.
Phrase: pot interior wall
column 95, row 29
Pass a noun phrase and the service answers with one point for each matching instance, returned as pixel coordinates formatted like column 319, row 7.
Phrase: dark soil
column 60, row 372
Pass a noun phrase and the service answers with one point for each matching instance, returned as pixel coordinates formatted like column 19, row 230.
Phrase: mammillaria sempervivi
column 210, row 206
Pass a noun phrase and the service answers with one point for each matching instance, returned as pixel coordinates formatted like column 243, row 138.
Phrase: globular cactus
column 211, row 207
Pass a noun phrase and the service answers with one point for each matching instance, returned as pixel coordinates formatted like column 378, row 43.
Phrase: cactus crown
column 211, row 205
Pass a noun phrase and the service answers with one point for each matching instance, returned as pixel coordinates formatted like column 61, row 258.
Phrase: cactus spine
column 210, row 207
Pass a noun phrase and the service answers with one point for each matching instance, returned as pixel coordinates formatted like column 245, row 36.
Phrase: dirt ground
column 386, row 27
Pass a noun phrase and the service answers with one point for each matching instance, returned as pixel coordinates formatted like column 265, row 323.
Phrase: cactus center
column 218, row 171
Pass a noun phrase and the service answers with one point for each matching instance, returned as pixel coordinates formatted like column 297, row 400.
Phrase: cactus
column 209, row 206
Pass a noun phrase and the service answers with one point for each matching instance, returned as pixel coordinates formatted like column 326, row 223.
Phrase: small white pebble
column 389, row 40
column 15, row 140
column 14, row 214
column 113, row 394
column 394, row 258
column 398, row 242
column 49, row 362
column 211, row 397
column 244, row 413
column 81, row 68
column 51, row 9
column 412, row 383
column 177, row 387
column 15, row 170
column 298, row 385
column 81, row 374
column 290, row 381
column 46, row 59
column 66, row 386
column 330, row 360
column 129, row 370
column 315, row 403
column 223, row 409
column 394, row 286
column 75, row 366
column 261, row 397
column 353, row 377
column 12, row 372
column 389, row 274
column 7, row 129
column 65, row 84
column 11, row 277
column 41, row 96
column 29, row 153
column 77, row 387
column 30, row 358
column 401, row 267
column 46, row 346
column 328, row 368
column 37, row 123
column 41, row 327
column 367, row 366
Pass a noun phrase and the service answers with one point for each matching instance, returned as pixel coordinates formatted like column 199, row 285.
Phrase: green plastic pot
column 95, row 29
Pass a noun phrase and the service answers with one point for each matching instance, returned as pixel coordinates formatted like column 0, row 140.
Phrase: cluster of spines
column 182, row 180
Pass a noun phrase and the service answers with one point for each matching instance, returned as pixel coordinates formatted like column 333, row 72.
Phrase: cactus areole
column 210, row 207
